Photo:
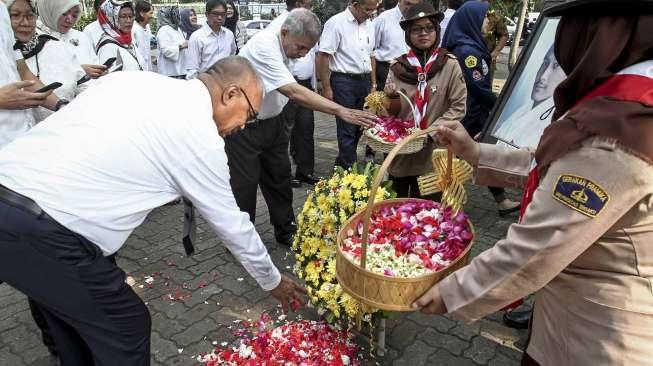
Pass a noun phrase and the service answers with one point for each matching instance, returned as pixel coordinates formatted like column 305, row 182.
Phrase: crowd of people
column 80, row 169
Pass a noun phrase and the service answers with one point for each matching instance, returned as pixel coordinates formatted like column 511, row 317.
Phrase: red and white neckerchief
column 633, row 84
column 421, row 97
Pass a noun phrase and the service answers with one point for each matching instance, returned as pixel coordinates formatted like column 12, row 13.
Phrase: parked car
column 254, row 26
column 512, row 28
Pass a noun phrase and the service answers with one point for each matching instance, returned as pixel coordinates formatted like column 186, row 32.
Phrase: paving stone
column 162, row 348
column 9, row 359
column 451, row 343
column 195, row 332
column 404, row 334
column 466, row 331
column 502, row 360
column 481, row 351
column 444, row 358
column 440, row 323
column 415, row 354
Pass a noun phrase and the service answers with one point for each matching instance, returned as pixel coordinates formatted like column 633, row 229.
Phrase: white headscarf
column 9, row 3
column 50, row 11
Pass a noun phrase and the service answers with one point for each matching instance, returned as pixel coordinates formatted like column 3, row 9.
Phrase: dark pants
column 302, row 143
column 407, row 187
column 382, row 70
column 94, row 317
column 348, row 92
column 258, row 155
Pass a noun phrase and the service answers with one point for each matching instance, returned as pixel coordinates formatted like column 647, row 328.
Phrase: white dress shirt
column 301, row 68
column 131, row 59
column 265, row 53
column 206, row 47
column 55, row 63
column 12, row 122
column 80, row 46
column 445, row 23
column 94, row 32
column 351, row 44
column 171, row 61
column 142, row 38
column 99, row 169
column 389, row 38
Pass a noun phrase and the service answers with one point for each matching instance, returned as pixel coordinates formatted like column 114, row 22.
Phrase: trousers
column 258, row 156
column 302, row 142
column 350, row 93
column 94, row 317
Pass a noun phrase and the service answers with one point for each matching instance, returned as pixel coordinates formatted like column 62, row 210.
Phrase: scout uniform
column 496, row 29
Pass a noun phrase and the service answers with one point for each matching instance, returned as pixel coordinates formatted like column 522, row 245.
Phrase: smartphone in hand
column 109, row 62
column 49, row 87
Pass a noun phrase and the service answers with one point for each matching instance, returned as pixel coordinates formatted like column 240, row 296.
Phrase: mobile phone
column 49, row 87
column 109, row 62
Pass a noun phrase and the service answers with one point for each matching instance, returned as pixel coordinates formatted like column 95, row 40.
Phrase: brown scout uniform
column 586, row 253
column 496, row 30
column 447, row 102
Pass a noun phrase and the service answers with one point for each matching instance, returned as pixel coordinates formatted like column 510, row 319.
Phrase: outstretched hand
column 290, row 294
column 14, row 96
column 357, row 117
column 453, row 135
column 431, row 302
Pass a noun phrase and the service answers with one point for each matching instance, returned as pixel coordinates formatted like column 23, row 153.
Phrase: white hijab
column 49, row 13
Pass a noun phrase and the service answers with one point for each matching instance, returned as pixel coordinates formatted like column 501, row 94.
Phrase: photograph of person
column 530, row 106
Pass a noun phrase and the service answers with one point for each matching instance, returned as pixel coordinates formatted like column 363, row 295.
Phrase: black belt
column 352, row 76
column 18, row 200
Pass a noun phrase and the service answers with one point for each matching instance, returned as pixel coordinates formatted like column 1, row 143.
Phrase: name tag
column 580, row 194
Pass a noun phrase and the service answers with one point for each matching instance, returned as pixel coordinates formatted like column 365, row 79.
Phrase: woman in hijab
column 583, row 244
column 56, row 19
column 464, row 38
column 431, row 77
column 171, row 58
column 234, row 24
column 47, row 58
column 117, row 19
column 188, row 22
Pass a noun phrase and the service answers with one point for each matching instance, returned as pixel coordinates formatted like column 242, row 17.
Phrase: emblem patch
column 471, row 62
column 580, row 194
column 476, row 75
column 486, row 69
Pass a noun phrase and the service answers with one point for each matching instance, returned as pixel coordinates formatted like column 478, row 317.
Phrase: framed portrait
column 525, row 106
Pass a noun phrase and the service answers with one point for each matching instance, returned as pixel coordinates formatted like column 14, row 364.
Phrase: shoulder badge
column 580, row 194
column 485, row 67
column 476, row 75
column 471, row 62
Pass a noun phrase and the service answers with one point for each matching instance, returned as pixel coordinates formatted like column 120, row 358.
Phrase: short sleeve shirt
column 265, row 53
column 496, row 29
column 351, row 44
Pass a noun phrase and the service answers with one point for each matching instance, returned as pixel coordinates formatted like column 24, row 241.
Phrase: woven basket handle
column 375, row 186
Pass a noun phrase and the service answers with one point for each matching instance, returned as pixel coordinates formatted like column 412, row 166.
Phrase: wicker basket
column 414, row 145
column 374, row 289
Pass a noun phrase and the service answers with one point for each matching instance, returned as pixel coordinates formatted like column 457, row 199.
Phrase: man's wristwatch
column 60, row 103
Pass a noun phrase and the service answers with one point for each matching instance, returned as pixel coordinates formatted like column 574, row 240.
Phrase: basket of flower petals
column 393, row 251
column 387, row 132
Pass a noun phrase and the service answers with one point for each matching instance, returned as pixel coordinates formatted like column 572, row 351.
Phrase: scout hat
column 591, row 7
column 419, row 11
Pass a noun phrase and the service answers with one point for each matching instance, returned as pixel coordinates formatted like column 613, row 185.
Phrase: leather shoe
column 517, row 319
column 308, row 178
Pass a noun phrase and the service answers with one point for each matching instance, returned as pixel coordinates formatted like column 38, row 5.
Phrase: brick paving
column 216, row 291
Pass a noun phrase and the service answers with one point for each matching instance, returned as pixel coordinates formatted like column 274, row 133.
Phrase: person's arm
column 311, row 100
column 25, row 73
column 478, row 83
column 551, row 235
column 14, row 96
column 502, row 34
column 324, row 74
column 168, row 45
column 373, row 74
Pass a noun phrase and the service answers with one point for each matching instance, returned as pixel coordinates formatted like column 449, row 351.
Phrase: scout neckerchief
column 421, row 97
column 623, row 87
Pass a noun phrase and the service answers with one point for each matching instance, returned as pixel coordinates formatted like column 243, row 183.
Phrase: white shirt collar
column 397, row 13
column 350, row 15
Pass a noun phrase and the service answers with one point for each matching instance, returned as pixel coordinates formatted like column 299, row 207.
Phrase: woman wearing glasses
column 431, row 77
column 117, row 20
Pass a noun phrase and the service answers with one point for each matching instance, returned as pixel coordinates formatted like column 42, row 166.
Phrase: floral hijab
column 168, row 15
column 109, row 21
column 49, row 12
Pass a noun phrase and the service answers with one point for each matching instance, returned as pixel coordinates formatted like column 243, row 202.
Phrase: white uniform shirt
column 12, row 122
column 448, row 14
column 206, row 47
column 142, row 38
column 99, row 172
column 351, row 44
column 94, row 32
column 81, row 47
column 131, row 59
column 389, row 38
column 171, row 61
column 301, row 68
column 265, row 53
column 55, row 63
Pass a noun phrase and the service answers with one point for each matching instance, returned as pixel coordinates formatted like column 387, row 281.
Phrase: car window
column 264, row 25
column 253, row 25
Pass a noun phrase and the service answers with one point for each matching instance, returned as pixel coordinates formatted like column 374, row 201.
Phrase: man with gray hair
column 258, row 154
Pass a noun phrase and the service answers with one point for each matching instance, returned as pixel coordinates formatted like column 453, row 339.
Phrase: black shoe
column 517, row 319
column 308, row 178
column 286, row 236
column 285, row 239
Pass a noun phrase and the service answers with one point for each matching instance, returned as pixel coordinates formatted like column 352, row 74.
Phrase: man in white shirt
column 389, row 39
column 210, row 43
column 452, row 6
column 346, row 68
column 17, row 86
column 259, row 153
column 95, row 176
column 93, row 30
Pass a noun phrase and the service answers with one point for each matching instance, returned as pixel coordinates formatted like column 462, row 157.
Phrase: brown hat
column 592, row 7
column 419, row 11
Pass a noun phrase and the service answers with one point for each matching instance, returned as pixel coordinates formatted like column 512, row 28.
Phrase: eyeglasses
column 217, row 14
column 17, row 18
column 252, row 113
column 126, row 17
column 428, row 29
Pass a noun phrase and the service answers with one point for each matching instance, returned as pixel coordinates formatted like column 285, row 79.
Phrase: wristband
column 60, row 103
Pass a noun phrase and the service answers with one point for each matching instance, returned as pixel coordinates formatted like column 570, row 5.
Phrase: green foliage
column 512, row 8
column 325, row 9
column 84, row 20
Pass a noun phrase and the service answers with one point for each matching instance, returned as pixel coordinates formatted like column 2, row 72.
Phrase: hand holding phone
column 109, row 62
column 49, row 87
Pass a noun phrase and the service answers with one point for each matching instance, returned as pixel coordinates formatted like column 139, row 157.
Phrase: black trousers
column 407, row 187
column 382, row 70
column 258, row 156
column 302, row 143
column 94, row 317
